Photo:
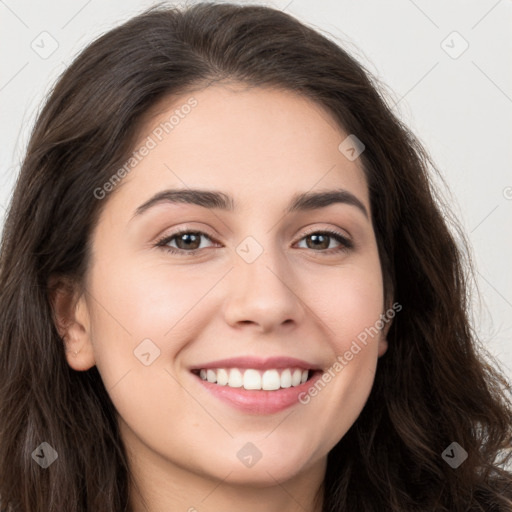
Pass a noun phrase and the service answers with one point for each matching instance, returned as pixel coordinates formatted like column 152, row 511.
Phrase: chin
column 265, row 471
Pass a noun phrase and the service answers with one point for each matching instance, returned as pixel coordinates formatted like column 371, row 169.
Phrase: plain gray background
column 445, row 64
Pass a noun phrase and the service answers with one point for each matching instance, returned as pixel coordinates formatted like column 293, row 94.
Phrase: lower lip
column 259, row 401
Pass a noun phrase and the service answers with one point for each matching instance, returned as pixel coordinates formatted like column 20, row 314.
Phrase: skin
column 261, row 146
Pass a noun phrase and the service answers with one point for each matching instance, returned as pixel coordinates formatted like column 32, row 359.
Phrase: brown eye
column 186, row 242
column 321, row 240
column 189, row 242
column 318, row 241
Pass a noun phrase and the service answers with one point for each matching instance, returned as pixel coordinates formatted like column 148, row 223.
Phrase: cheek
column 140, row 322
column 348, row 301
column 351, row 313
column 134, row 302
column 146, row 299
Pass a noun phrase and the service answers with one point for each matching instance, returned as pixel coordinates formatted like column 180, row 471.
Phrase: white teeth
column 268, row 380
column 236, row 379
column 222, row 377
column 286, row 379
column 252, row 379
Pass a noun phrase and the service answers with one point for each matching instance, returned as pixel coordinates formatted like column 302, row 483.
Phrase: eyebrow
column 219, row 200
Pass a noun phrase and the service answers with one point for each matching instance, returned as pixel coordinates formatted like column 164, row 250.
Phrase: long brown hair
column 435, row 385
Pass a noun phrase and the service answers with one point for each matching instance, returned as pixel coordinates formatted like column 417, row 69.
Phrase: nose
column 263, row 293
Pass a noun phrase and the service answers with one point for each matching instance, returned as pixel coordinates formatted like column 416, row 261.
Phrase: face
column 264, row 290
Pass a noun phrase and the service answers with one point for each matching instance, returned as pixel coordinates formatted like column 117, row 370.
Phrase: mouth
column 258, row 380
column 257, row 391
column 257, row 386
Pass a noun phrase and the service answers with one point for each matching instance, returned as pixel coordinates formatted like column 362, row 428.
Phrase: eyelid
column 316, row 229
column 346, row 241
column 184, row 229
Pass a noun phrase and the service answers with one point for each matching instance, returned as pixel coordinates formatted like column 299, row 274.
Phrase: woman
column 226, row 283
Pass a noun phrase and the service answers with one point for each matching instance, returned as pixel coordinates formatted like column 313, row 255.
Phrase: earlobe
column 383, row 346
column 387, row 319
column 383, row 340
column 71, row 320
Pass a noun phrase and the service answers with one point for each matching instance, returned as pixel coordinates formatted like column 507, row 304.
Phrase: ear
column 383, row 345
column 383, row 340
column 72, row 321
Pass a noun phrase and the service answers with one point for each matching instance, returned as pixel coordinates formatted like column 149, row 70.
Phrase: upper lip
column 258, row 364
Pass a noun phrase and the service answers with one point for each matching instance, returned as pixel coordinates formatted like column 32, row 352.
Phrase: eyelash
column 345, row 246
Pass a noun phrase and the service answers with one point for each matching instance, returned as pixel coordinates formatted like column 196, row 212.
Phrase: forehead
column 257, row 144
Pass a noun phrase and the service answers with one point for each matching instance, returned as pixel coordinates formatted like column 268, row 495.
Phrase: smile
column 268, row 380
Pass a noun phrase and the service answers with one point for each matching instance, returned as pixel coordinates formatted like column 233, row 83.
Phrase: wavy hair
column 435, row 385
